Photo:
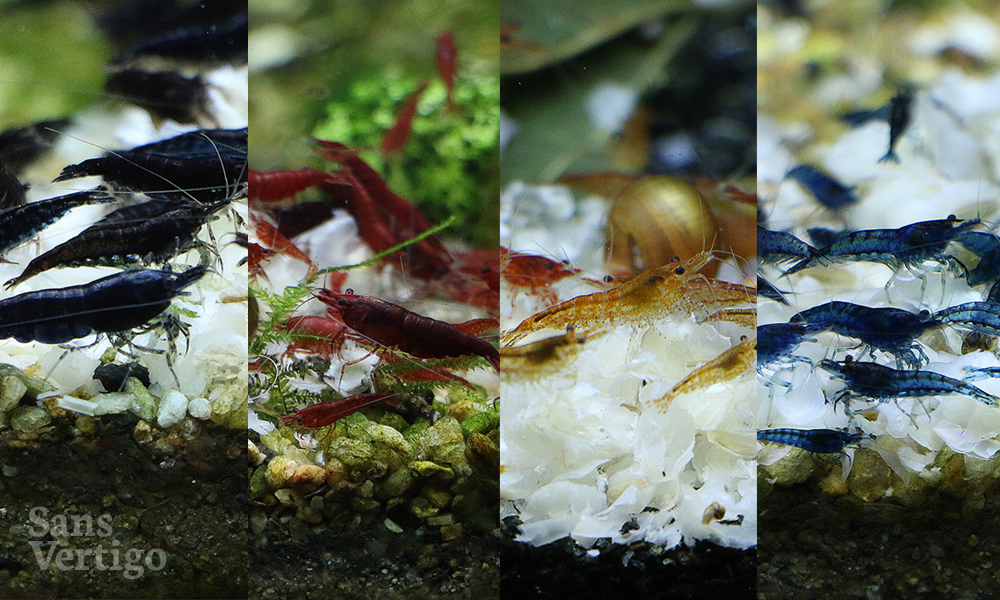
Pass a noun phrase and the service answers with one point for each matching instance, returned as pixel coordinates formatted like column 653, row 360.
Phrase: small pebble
column 173, row 406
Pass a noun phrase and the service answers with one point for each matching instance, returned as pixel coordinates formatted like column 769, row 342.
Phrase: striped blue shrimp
column 820, row 441
column 983, row 317
column 776, row 247
column 891, row 330
column 909, row 247
column 881, row 383
column 777, row 341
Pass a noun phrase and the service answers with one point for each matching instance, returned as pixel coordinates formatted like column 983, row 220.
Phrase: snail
column 655, row 219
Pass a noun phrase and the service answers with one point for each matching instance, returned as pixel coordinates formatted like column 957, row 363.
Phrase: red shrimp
column 536, row 273
column 323, row 336
column 270, row 236
column 395, row 137
column 379, row 211
column 446, row 58
column 393, row 326
column 327, row 413
column 278, row 185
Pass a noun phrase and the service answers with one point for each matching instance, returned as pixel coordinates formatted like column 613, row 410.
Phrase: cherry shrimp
column 446, row 57
column 275, row 186
column 392, row 326
column 395, row 137
column 329, row 412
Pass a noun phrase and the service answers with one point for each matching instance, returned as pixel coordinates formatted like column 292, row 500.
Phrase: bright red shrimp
column 270, row 236
column 446, row 58
column 278, row 185
column 395, row 137
column 335, row 282
column 323, row 336
column 327, row 413
column 393, row 326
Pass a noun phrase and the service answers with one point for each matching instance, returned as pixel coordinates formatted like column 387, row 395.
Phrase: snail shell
column 655, row 219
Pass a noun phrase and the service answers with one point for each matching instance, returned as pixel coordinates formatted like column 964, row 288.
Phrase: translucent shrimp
column 672, row 289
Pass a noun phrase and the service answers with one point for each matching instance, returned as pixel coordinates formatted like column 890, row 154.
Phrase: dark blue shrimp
column 908, row 246
column 776, row 247
column 824, row 236
column 891, row 330
column 986, row 246
column 165, row 95
column 219, row 39
column 983, row 317
column 203, row 142
column 20, row 223
column 117, row 303
column 207, row 178
column 828, row 191
column 820, row 441
column 776, row 341
column 871, row 380
column 149, row 233
column 21, row 146
column 978, row 242
column 899, row 119
column 11, row 189
column 767, row 290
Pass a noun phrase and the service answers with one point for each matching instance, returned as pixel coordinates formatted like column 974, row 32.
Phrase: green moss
column 447, row 166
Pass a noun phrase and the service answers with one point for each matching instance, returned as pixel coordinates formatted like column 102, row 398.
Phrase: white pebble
column 172, row 409
column 200, row 408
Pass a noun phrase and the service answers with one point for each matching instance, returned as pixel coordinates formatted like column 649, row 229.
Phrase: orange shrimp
column 392, row 326
column 537, row 358
column 327, row 413
column 270, row 236
column 446, row 58
column 395, row 137
column 729, row 365
column 536, row 273
column 674, row 288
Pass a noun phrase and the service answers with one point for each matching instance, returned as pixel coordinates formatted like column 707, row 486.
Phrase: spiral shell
column 655, row 219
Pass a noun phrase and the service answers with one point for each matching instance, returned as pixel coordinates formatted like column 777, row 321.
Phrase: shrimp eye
column 608, row 279
column 341, row 302
column 679, row 270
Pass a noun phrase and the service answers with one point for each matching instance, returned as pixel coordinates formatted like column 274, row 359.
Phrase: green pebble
column 12, row 389
column 481, row 422
column 354, row 453
column 29, row 418
column 144, row 404
column 426, row 468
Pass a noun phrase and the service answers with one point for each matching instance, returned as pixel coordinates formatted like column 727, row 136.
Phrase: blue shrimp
column 900, row 108
column 20, row 223
column 891, row 330
column 881, row 383
column 776, row 341
column 820, row 441
column 766, row 289
column 776, row 247
column 828, row 191
column 113, row 304
column 908, row 246
column 983, row 317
